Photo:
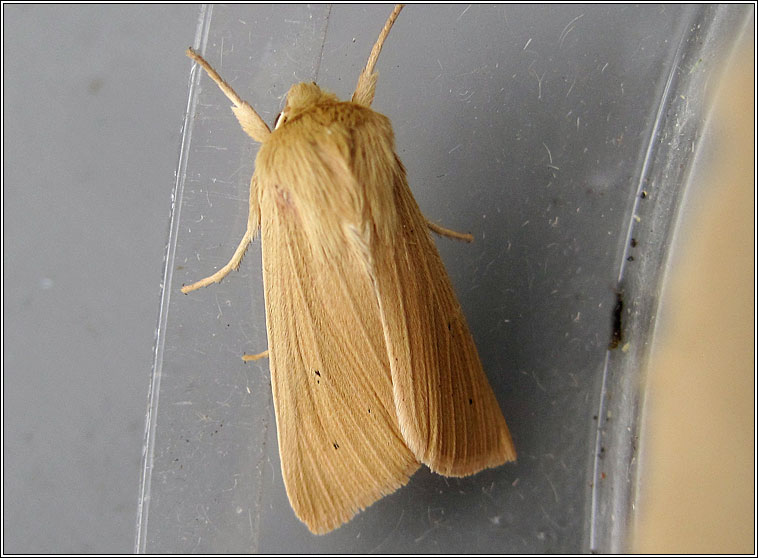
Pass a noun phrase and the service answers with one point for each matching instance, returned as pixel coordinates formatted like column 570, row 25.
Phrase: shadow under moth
column 373, row 368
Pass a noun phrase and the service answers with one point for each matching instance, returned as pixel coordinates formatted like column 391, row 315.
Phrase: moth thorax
column 301, row 96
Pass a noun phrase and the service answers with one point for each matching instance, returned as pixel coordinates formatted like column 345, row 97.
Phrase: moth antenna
column 251, row 122
column 364, row 91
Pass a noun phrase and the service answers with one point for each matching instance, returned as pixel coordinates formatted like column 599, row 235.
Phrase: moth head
column 300, row 98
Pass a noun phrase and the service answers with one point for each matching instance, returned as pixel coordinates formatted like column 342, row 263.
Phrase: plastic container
column 561, row 136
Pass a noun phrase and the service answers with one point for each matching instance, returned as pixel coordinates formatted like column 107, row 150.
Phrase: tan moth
column 373, row 368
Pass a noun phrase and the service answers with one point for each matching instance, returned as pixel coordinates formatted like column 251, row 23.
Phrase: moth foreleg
column 234, row 263
column 253, row 223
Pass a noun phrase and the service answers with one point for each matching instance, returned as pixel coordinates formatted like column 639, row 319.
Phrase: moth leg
column 234, row 263
column 466, row 237
column 253, row 223
column 249, row 358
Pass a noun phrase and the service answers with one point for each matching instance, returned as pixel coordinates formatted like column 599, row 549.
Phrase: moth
column 373, row 368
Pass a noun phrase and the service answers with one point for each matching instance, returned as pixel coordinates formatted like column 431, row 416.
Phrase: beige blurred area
column 697, row 477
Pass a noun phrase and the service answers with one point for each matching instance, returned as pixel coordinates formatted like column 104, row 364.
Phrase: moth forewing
column 373, row 368
column 447, row 411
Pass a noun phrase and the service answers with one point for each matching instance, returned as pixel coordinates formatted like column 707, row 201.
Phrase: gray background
column 527, row 125
column 94, row 100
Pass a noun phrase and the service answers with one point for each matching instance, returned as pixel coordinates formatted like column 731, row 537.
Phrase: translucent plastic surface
column 561, row 138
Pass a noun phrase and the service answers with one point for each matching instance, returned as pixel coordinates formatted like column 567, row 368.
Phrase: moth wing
column 340, row 443
column 448, row 413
